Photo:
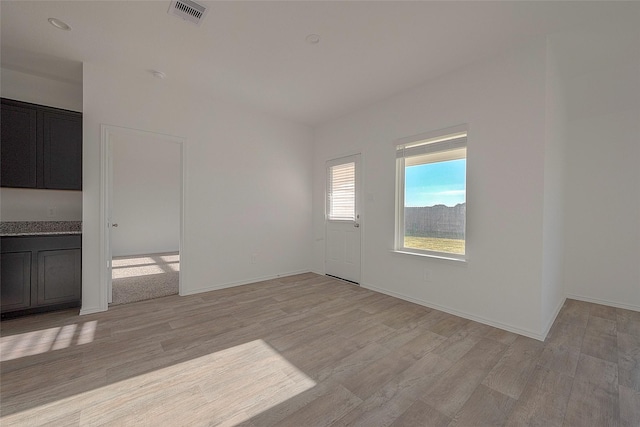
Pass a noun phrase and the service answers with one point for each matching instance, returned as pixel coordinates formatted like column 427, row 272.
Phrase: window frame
column 451, row 133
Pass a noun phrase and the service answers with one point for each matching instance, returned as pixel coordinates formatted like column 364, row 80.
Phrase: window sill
column 426, row 255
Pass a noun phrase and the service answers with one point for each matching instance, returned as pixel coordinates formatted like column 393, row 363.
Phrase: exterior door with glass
column 342, row 218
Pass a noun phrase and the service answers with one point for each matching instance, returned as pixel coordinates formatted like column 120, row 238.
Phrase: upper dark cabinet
column 41, row 147
column 62, row 151
column 18, row 145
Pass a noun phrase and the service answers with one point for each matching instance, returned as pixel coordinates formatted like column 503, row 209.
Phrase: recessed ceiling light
column 59, row 24
column 313, row 39
column 158, row 74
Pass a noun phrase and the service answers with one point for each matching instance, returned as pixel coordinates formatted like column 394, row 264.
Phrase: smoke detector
column 188, row 10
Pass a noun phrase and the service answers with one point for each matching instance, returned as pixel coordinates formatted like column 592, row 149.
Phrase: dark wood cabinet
column 18, row 145
column 41, row 147
column 40, row 273
column 15, row 273
column 58, row 276
column 62, row 151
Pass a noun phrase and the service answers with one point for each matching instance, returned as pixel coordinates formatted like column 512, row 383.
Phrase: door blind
column 342, row 192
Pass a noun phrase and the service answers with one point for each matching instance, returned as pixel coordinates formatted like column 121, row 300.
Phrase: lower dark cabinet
column 40, row 273
column 15, row 273
column 58, row 276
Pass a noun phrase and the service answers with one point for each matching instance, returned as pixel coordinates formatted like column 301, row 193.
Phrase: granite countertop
column 39, row 228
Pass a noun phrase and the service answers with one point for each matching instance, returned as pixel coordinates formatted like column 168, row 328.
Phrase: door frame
column 359, row 202
column 106, row 193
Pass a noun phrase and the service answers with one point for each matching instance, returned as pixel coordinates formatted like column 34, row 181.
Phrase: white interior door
column 342, row 219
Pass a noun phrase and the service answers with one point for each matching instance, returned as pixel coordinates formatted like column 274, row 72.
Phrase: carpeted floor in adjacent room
column 142, row 277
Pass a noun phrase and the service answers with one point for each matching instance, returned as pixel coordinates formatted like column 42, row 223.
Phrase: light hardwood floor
column 309, row 350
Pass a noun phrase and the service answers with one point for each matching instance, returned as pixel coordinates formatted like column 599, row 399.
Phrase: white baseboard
column 553, row 318
column 242, row 282
column 499, row 325
column 604, row 302
column 91, row 310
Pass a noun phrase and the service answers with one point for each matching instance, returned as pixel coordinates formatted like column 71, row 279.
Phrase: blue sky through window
column 431, row 184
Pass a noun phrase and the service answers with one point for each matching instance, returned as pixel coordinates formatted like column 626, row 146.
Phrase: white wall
column 503, row 101
column 19, row 204
column 553, row 293
column 603, row 197
column 603, row 209
column 146, row 194
column 30, row 204
column 248, row 180
column 40, row 90
column 602, row 227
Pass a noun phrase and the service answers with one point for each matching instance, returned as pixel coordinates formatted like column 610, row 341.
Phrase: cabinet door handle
column 114, row 225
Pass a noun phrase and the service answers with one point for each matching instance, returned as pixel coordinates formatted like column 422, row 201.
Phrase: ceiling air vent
column 188, row 10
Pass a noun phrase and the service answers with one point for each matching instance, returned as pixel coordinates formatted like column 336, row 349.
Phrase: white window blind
column 453, row 143
column 342, row 192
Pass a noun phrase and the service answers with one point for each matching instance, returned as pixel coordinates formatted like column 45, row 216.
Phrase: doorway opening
column 143, row 209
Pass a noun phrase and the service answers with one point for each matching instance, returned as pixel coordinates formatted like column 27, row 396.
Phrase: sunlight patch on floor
column 146, row 270
column 42, row 341
column 144, row 265
column 226, row 387
column 128, row 261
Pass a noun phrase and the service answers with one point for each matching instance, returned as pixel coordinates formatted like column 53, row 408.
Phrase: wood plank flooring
column 308, row 350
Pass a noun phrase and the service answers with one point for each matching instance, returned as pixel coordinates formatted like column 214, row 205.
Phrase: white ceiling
column 255, row 52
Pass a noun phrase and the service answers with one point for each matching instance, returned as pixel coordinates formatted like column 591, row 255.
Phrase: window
column 341, row 203
column 431, row 193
